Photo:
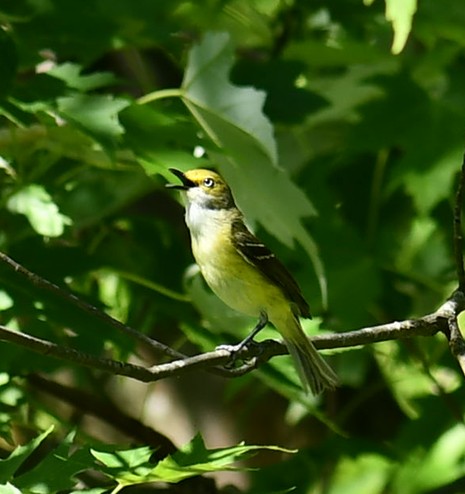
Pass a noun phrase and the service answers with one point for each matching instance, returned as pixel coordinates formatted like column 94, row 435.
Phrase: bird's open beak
column 186, row 183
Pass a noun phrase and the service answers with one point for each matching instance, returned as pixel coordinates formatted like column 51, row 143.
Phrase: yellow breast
column 234, row 280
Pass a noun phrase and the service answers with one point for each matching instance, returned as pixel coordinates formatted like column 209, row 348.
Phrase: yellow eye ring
column 208, row 182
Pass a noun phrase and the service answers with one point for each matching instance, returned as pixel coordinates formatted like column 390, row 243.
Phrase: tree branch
column 69, row 297
column 456, row 341
column 458, row 232
column 254, row 355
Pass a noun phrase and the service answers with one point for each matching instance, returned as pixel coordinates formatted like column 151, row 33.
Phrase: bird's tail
column 315, row 374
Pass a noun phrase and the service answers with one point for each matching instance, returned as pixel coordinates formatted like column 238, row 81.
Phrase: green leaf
column 10, row 465
column 34, row 202
column 102, row 192
column 130, row 459
column 208, row 90
column 9, row 489
column 428, row 187
column 233, row 119
column 95, row 115
column 160, row 140
column 195, row 459
column 71, row 74
column 364, row 474
column 400, row 13
column 6, row 302
column 407, row 381
column 64, row 465
column 426, row 470
column 134, row 466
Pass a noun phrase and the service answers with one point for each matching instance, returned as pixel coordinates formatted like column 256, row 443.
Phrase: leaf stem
column 161, row 94
column 153, row 286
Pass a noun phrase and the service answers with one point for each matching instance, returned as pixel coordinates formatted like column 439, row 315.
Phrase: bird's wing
column 257, row 254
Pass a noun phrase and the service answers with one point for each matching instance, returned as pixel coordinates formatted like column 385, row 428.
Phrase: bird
column 245, row 274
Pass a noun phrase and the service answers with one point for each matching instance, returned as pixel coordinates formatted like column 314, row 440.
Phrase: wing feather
column 257, row 254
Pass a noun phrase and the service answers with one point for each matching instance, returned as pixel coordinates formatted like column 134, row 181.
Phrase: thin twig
column 458, row 232
column 69, row 297
column 456, row 342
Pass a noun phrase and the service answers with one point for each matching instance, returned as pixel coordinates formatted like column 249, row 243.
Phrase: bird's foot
column 235, row 351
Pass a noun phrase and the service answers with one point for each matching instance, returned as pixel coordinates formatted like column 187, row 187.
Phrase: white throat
column 202, row 220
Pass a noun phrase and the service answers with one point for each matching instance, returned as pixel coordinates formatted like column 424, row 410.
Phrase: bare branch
column 458, row 232
column 456, row 342
column 47, row 348
column 63, row 294
column 254, row 355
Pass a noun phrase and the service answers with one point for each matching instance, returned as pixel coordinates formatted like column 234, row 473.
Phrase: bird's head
column 204, row 187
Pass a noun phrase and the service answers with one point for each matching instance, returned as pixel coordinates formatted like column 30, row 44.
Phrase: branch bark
column 458, row 231
column 438, row 321
column 456, row 341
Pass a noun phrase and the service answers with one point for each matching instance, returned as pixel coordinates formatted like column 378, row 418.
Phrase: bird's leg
column 235, row 349
column 262, row 322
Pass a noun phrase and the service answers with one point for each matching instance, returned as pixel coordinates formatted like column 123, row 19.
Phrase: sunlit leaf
column 34, row 202
column 9, row 465
column 71, row 74
column 364, row 474
column 133, row 466
column 400, row 13
column 6, row 302
column 195, row 459
column 9, row 489
column 65, row 461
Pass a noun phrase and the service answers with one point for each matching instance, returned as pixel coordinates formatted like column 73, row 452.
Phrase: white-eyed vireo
column 245, row 274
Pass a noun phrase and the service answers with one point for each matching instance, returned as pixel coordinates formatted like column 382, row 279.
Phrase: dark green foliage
column 340, row 127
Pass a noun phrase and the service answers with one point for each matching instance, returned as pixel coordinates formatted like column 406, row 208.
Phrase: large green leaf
column 96, row 115
column 246, row 150
column 134, row 466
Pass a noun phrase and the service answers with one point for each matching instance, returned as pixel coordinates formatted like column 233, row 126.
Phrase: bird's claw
column 235, row 351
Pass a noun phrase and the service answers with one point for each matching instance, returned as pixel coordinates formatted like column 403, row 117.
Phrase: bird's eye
column 208, row 182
